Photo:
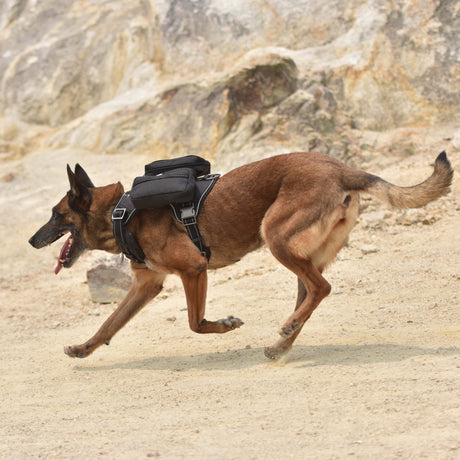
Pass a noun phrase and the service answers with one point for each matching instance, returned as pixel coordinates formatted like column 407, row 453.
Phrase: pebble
column 418, row 216
column 456, row 140
column 376, row 219
column 369, row 249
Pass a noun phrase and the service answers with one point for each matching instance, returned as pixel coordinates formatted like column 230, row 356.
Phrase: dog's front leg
column 195, row 285
column 146, row 285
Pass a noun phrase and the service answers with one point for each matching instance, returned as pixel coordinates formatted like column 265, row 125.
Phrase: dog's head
column 84, row 212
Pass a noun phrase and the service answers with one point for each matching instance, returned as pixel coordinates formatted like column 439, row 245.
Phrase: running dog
column 301, row 205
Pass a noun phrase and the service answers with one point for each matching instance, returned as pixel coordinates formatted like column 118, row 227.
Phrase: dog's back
column 310, row 183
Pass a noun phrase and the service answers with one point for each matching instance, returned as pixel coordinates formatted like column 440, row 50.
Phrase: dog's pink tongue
column 58, row 267
column 63, row 255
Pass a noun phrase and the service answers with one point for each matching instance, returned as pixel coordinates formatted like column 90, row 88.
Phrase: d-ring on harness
column 182, row 183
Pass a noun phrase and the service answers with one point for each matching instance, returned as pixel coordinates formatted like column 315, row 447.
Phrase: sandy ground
column 374, row 374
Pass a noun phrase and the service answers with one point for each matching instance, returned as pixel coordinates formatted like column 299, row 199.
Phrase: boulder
column 109, row 280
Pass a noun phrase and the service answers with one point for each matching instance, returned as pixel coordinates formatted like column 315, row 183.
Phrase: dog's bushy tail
column 432, row 188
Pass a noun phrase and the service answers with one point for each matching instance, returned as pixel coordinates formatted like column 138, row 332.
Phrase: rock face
column 211, row 77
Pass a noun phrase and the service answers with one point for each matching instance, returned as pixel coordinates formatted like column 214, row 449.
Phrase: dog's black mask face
column 67, row 217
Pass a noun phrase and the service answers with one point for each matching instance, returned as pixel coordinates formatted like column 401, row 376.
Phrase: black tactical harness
column 186, row 212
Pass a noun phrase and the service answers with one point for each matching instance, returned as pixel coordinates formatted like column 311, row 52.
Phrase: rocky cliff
column 213, row 77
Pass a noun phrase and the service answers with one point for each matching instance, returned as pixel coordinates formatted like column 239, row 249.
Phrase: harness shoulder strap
column 187, row 213
column 128, row 244
column 188, row 217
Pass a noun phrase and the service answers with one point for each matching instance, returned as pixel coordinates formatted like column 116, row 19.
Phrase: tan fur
column 302, row 205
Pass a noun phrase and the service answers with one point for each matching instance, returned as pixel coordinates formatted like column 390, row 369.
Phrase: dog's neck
column 104, row 201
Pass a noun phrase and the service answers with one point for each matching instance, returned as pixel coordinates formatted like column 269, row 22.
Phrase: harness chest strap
column 126, row 241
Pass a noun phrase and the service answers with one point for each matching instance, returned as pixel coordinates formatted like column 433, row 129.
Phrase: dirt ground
column 374, row 374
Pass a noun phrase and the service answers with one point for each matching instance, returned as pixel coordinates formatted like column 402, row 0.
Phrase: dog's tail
column 432, row 188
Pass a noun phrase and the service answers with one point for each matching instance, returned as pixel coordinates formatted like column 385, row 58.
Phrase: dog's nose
column 33, row 241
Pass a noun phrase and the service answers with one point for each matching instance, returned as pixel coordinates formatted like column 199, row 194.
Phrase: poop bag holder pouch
column 174, row 186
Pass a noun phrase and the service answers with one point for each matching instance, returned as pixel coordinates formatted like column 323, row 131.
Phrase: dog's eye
column 55, row 214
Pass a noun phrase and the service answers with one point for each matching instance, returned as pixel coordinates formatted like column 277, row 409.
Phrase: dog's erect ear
column 82, row 177
column 72, row 179
column 80, row 196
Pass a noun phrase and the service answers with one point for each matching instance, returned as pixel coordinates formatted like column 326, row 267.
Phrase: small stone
column 456, row 140
column 376, row 219
column 8, row 177
column 369, row 248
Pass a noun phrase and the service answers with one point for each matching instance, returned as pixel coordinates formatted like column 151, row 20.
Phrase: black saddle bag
column 182, row 183
column 176, row 186
column 198, row 164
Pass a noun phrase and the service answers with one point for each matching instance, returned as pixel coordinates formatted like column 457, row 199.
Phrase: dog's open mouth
column 64, row 256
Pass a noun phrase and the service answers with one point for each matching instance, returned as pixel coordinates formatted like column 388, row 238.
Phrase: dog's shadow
column 299, row 357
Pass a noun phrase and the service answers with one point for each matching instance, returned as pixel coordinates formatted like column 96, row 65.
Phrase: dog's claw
column 68, row 352
column 231, row 322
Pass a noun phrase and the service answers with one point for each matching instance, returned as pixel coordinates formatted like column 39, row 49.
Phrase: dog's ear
column 80, row 196
column 82, row 177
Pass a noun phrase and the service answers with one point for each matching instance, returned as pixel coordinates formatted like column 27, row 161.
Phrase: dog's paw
column 76, row 351
column 231, row 322
column 275, row 353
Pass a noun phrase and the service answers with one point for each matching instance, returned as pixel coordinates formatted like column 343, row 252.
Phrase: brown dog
column 302, row 205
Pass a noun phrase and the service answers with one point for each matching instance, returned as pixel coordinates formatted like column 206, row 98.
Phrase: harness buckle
column 188, row 215
column 211, row 176
column 118, row 213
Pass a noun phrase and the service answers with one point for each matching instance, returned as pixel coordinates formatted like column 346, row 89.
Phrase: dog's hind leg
column 306, row 250
column 301, row 293
column 146, row 285
column 195, row 283
column 285, row 344
column 317, row 288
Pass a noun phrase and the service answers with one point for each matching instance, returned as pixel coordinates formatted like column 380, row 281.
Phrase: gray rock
column 109, row 280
